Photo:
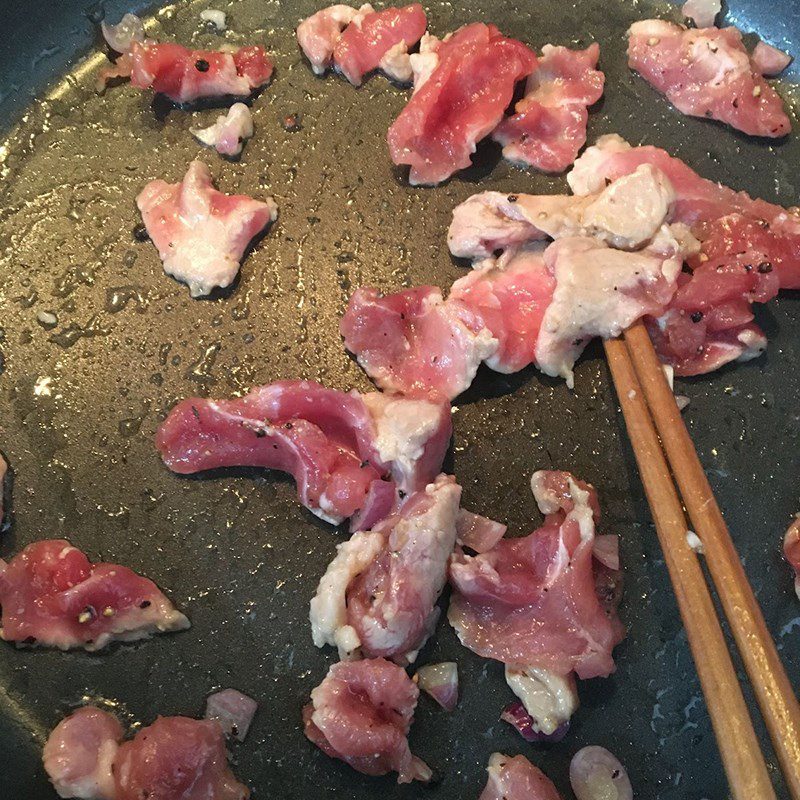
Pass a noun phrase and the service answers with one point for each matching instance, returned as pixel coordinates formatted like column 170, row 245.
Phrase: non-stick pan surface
column 80, row 401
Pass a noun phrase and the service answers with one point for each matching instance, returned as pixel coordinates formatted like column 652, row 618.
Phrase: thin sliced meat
column 749, row 250
column 414, row 343
column 548, row 126
column 317, row 35
column 380, row 40
column 461, row 102
column 176, row 758
column 332, row 443
column 362, row 713
column 52, row 595
column 707, row 72
column 768, row 60
column 79, row 754
column 185, row 75
column 791, row 551
column 516, row 779
column 532, row 601
column 378, row 596
column 627, row 214
column 201, row 234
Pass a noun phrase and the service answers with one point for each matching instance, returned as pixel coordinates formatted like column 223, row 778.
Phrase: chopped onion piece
column 768, row 60
column 791, row 551
column 595, row 774
column 606, row 550
column 694, row 541
column 516, row 715
column 233, row 710
column 120, row 37
column 702, row 12
column 478, row 533
column 440, row 681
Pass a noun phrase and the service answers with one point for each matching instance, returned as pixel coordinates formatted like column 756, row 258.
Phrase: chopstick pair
column 650, row 412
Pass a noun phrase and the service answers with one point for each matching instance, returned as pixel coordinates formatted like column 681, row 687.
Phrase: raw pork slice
column 517, row 779
column 51, row 595
column 337, row 446
column 414, row 343
column 707, row 72
column 378, row 596
column 79, row 754
column 749, row 250
column 185, row 75
column 380, row 40
column 356, row 42
column 548, row 126
column 201, row 234
column 532, row 601
column 176, row 758
column 362, row 713
column 460, row 103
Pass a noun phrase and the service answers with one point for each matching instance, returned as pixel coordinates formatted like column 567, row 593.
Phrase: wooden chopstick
column 742, row 759
column 771, row 685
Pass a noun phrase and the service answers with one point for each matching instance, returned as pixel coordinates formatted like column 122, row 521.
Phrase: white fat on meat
column 396, row 63
column 403, row 427
column 549, row 698
column 424, row 63
column 229, row 133
column 588, row 174
column 328, row 613
column 626, row 214
column 599, row 291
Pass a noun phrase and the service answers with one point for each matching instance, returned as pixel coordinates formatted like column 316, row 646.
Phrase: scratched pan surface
column 80, row 401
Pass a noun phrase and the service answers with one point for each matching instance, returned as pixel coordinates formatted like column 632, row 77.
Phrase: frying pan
column 80, row 402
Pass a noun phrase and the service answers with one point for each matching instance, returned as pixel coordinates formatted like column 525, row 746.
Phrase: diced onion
column 120, row 37
column 596, row 774
column 440, row 681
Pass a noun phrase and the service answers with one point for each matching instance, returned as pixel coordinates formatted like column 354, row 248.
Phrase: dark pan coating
column 79, row 402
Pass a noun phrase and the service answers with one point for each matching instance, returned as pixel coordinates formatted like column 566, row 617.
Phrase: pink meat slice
column 329, row 441
column 185, row 75
column 201, row 234
column 176, row 758
column 461, row 102
column 384, row 603
column 511, row 298
column 365, row 42
column 548, row 126
column 361, row 713
column 749, row 250
column 707, row 72
column 415, row 343
column 532, row 600
column 52, row 595
column 516, row 779
column 79, row 754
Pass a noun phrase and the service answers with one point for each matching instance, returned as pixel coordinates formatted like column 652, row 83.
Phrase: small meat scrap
column 548, row 126
column 229, row 133
column 351, row 455
column 52, row 595
column 707, row 72
column 516, row 779
column 175, row 758
column 361, row 713
column 201, row 234
column 180, row 73
column 359, row 41
column 461, row 101
column 378, row 595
